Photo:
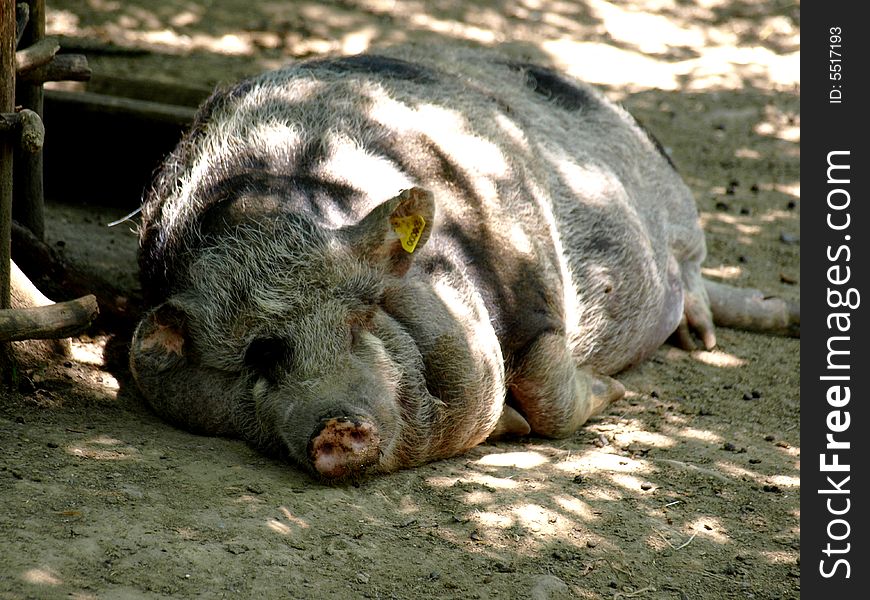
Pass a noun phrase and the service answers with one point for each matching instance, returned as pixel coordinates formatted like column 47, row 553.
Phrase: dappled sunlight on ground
column 651, row 439
column 619, row 44
column 637, row 482
column 700, row 435
column 83, row 374
column 103, row 448
column 722, row 272
column 88, row 352
column 710, row 528
column 782, row 125
column 781, row 557
column 287, row 523
column 522, row 460
column 718, row 358
column 792, row 189
column 783, row 481
column 497, row 479
column 41, row 577
column 582, row 510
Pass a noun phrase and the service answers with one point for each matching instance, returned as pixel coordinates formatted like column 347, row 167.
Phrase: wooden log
column 32, row 131
column 63, row 67
column 37, row 317
column 141, row 88
column 28, row 206
column 95, row 47
column 36, row 55
column 112, row 105
column 29, row 127
column 54, row 321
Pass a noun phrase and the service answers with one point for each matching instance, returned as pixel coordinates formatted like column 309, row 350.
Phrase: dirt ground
column 686, row 489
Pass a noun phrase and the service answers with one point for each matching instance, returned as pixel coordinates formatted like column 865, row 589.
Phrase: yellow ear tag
column 409, row 229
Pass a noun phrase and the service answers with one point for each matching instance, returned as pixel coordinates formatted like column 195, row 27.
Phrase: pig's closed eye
column 266, row 355
column 372, row 297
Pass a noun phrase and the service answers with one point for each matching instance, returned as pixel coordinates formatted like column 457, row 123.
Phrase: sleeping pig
column 370, row 262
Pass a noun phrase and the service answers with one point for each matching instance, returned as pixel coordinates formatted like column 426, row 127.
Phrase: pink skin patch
column 165, row 337
column 344, row 447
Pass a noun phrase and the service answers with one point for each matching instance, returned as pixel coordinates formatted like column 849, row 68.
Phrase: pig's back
column 551, row 202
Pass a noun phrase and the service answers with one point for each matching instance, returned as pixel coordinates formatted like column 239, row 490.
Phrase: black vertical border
column 834, row 127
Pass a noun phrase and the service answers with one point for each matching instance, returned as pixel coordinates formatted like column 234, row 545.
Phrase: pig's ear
column 395, row 230
column 168, row 373
column 160, row 340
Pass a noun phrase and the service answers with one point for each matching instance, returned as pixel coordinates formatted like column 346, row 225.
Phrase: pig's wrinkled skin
column 555, row 245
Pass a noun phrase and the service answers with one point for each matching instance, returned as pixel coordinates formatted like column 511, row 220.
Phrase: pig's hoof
column 344, row 447
column 511, row 423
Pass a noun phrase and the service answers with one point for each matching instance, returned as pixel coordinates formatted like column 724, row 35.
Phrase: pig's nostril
column 344, row 447
column 359, row 435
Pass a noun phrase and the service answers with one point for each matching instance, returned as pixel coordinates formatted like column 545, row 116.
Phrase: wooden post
column 21, row 136
column 29, row 207
column 7, row 143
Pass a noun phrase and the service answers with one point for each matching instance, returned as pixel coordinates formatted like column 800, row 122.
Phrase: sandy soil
column 688, row 488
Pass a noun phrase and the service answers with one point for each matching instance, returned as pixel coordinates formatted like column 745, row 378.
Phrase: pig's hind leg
column 706, row 303
column 697, row 313
column 751, row 310
column 553, row 394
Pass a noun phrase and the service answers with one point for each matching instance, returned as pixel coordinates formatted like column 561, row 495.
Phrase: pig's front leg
column 554, row 395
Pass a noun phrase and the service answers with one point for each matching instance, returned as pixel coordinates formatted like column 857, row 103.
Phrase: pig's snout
column 344, row 447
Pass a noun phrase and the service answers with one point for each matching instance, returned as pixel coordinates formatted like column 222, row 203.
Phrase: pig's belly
column 619, row 329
